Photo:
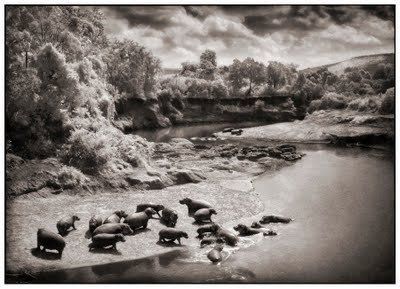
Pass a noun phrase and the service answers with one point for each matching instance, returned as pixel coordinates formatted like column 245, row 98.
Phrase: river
column 342, row 203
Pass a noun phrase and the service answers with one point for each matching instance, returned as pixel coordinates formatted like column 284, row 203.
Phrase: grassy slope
column 367, row 62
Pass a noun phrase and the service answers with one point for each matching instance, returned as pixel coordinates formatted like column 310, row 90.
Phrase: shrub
column 330, row 100
column 69, row 177
column 88, row 151
column 387, row 105
column 365, row 104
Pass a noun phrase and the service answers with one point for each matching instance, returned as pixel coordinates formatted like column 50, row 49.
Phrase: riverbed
column 342, row 203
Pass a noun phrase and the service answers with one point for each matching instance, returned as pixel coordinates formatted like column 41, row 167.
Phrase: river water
column 342, row 203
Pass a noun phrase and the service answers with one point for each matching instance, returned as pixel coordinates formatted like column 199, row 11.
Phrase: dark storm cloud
column 268, row 19
column 157, row 17
column 294, row 18
column 382, row 12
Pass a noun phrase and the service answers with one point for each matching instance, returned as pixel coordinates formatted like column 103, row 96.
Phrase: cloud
column 305, row 35
column 157, row 17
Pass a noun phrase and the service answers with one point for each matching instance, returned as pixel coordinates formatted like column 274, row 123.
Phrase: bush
column 99, row 146
column 387, row 105
column 69, row 178
column 88, row 151
column 330, row 100
column 365, row 104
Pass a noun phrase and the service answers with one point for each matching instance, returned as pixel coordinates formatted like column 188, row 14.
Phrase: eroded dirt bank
column 220, row 174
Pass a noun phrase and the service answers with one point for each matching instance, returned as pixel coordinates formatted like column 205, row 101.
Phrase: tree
column 131, row 69
column 189, row 69
column 208, row 65
column 276, row 74
column 249, row 71
column 235, row 76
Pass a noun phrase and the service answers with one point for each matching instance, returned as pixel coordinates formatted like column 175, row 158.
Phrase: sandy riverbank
column 226, row 184
column 324, row 127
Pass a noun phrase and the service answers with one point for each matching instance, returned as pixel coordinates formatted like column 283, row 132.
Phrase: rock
column 241, row 157
column 236, row 131
column 227, row 129
column 142, row 180
column 27, row 176
column 13, row 160
column 163, row 163
column 185, row 176
column 274, row 152
column 181, row 143
column 286, row 148
column 253, row 156
column 201, row 147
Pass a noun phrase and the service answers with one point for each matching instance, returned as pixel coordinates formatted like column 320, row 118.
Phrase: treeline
column 312, row 91
column 64, row 78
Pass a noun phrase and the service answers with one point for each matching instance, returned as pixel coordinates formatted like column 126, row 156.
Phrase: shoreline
column 232, row 204
column 221, row 177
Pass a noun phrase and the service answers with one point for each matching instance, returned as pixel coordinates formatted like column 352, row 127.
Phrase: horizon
column 324, row 64
column 308, row 36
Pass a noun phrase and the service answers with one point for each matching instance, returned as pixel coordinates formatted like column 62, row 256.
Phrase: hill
column 366, row 62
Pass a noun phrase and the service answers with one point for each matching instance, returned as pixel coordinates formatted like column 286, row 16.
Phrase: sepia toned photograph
column 199, row 144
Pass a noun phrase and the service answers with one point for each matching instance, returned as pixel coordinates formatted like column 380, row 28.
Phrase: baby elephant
column 204, row 215
column 157, row 208
column 106, row 240
column 115, row 217
column 170, row 235
column 139, row 220
column 274, row 219
column 94, row 222
column 50, row 240
column 65, row 223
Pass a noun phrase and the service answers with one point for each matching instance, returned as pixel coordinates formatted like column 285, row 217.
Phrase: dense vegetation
column 65, row 77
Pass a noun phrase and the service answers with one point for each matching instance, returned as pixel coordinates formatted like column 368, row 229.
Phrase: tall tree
column 276, row 74
column 248, row 72
column 208, row 64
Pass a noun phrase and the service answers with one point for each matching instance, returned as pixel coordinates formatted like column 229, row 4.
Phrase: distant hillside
column 366, row 62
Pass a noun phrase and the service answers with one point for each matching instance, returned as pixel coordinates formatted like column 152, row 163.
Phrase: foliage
column 248, row 72
column 330, row 100
column 131, row 69
column 208, row 65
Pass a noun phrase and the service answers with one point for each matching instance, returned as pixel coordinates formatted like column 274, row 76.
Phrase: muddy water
column 342, row 203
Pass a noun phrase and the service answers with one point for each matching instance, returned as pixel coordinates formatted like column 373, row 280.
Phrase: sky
column 308, row 36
